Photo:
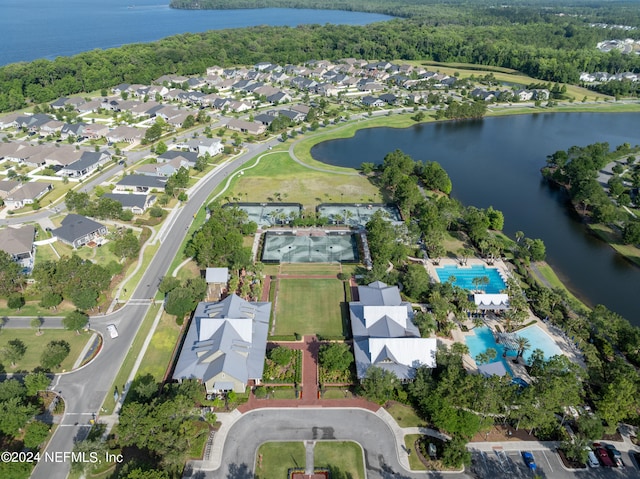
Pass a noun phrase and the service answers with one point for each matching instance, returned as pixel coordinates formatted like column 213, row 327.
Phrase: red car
column 602, row 455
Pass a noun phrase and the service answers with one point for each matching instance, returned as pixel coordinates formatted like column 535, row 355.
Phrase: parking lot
column 502, row 464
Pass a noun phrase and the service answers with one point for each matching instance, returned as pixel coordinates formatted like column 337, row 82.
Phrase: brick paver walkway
column 309, row 346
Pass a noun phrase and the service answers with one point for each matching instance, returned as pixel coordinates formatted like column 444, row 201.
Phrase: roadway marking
column 547, row 459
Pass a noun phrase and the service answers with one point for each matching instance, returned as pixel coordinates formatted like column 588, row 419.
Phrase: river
column 51, row 28
column 496, row 162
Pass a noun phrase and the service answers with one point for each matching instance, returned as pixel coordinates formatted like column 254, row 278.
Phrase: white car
column 113, row 332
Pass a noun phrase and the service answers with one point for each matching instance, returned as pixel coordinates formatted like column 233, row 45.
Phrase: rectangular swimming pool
column 464, row 277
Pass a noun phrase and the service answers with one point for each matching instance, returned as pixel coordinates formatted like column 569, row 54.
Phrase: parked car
column 615, row 455
column 113, row 331
column 592, row 460
column 529, row 460
column 603, row 455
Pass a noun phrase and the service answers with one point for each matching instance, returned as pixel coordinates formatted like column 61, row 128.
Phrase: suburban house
column 225, row 345
column 125, row 134
column 27, row 194
column 372, row 101
column 217, row 279
column 189, row 157
column 213, row 146
column 140, row 184
column 138, row 204
column 78, row 230
column 18, row 243
column 7, row 187
column 250, row 127
column 384, row 334
column 88, row 162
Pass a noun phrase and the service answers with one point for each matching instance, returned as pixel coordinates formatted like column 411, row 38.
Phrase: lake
column 51, row 28
column 496, row 162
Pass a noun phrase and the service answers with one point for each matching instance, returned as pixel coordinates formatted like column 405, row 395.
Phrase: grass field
column 33, row 308
column 279, row 457
column 158, row 355
column 555, row 282
column 36, row 344
column 629, row 251
column 405, row 416
column 309, row 306
column 298, row 184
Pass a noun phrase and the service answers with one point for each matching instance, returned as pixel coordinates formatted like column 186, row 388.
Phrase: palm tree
column 523, row 344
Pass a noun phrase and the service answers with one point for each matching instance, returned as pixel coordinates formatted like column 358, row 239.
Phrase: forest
column 538, row 42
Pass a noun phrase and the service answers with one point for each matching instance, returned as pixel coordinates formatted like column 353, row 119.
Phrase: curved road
column 85, row 389
column 364, row 427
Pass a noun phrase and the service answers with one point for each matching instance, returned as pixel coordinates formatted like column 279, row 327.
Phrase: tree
column 335, row 356
column 35, row 434
column 168, row 284
column 54, row 353
column 84, row 298
column 618, row 401
column 416, row 281
column 14, row 351
column 281, row 356
column 14, row 415
column 161, row 148
column 36, row 323
column 50, row 299
column 126, row 245
column 75, row 321
column 36, row 381
column 11, row 388
column 179, row 302
column 15, row 301
column 378, row 384
column 10, row 274
column 153, row 133
column 522, row 344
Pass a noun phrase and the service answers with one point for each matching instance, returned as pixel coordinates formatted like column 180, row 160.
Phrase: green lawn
column 555, row 282
column 405, row 416
column 163, row 342
column 274, row 459
column 309, row 306
column 36, row 344
column 299, row 184
column 33, row 308
column 414, row 462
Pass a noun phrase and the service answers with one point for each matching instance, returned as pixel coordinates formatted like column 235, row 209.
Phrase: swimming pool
column 483, row 339
column 464, row 277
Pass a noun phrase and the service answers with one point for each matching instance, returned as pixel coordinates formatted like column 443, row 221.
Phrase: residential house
column 140, row 184
column 265, row 118
column 75, row 130
column 279, row 97
column 384, row 334
column 96, row 131
column 9, row 121
column 7, row 187
column 389, row 98
column 27, row 194
column 201, row 146
column 188, row 157
column 372, row 101
column 125, row 134
column 243, row 126
column 541, row 94
column 523, row 95
column 225, row 345
column 18, row 243
column 137, row 204
column 78, row 230
column 87, row 163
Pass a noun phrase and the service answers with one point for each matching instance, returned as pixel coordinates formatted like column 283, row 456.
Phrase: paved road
column 364, row 427
column 85, row 389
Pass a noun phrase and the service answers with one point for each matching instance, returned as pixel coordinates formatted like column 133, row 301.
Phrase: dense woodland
column 534, row 40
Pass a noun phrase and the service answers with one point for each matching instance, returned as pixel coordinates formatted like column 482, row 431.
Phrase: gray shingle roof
column 75, row 226
column 143, row 180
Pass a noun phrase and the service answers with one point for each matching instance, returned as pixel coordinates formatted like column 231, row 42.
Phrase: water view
column 45, row 29
column 496, row 162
